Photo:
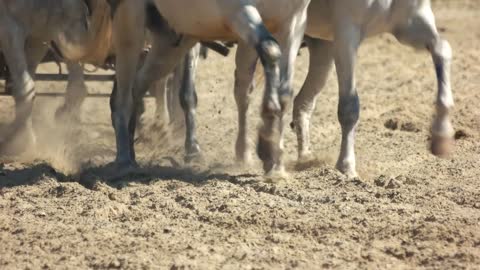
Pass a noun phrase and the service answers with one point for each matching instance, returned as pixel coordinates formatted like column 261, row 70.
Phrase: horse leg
column 321, row 62
column 421, row 33
column 75, row 94
column 161, row 60
column 22, row 57
column 128, row 40
column 160, row 91
column 174, row 87
column 290, row 40
column 248, row 24
column 347, row 40
column 188, row 101
column 246, row 63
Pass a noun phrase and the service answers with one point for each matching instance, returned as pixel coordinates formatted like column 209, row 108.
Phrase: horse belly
column 201, row 18
column 209, row 19
column 319, row 21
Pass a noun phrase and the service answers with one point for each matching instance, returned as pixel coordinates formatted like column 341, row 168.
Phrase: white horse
column 26, row 26
column 254, row 23
column 335, row 30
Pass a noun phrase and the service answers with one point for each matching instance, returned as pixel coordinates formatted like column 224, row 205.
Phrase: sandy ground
column 61, row 208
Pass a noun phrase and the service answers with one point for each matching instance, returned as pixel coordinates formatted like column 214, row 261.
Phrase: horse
column 271, row 29
column 79, row 28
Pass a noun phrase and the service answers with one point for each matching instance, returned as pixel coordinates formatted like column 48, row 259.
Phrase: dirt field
column 61, row 208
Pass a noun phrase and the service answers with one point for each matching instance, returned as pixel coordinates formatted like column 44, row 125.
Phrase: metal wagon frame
column 61, row 76
column 53, row 57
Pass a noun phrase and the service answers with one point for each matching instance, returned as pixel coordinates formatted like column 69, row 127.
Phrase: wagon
column 53, row 57
column 61, row 75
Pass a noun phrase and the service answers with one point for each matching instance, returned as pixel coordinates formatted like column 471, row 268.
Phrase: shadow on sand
column 111, row 175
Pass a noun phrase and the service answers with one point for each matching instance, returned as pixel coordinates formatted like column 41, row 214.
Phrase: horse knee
column 442, row 54
column 268, row 49
column 441, row 50
column 419, row 32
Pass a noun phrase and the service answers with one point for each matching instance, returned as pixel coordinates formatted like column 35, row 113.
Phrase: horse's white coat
column 336, row 30
column 252, row 22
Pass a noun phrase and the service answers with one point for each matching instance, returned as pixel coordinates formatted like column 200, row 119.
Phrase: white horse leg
column 160, row 61
column 246, row 62
column 248, row 24
column 347, row 40
column 174, row 85
column 421, row 34
column 75, row 94
column 188, row 101
column 13, row 46
column 22, row 57
column 160, row 91
column 321, row 62
column 128, row 37
column 290, row 40
column 442, row 129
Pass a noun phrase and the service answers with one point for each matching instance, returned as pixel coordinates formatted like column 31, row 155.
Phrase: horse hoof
column 118, row 170
column 347, row 170
column 125, row 165
column 441, row 146
column 265, row 153
column 244, row 160
column 62, row 115
column 306, row 161
column 191, row 158
column 264, row 149
column 276, row 174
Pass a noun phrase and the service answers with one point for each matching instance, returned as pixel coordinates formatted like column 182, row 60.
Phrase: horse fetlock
column 347, row 167
column 243, row 158
column 442, row 127
column 305, row 155
column 192, row 151
column 271, row 109
column 192, row 147
column 285, row 101
column 265, row 151
column 276, row 173
column 193, row 154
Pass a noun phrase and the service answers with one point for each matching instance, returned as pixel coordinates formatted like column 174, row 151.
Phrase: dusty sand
column 63, row 209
